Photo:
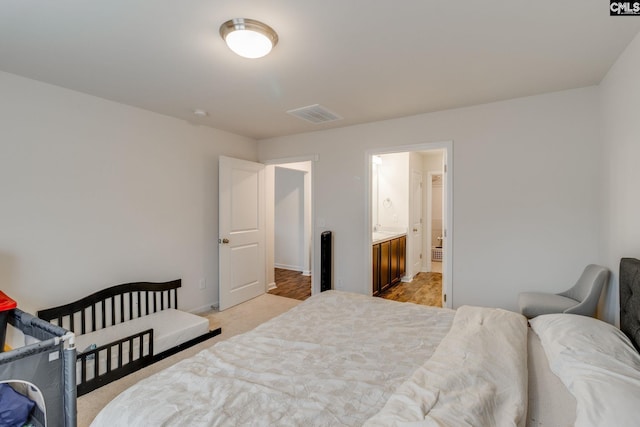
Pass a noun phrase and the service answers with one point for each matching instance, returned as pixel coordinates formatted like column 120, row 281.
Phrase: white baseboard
column 406, row 279
column 306, row 272
column 288, row 267
column 205, row 308
column 271, row 286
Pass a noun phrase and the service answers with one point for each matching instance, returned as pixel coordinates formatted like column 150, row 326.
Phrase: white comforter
column 333, row 360
column 339, row 359
column 476, row 377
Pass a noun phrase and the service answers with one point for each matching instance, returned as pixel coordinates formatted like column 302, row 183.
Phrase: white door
column 416, row 219
column 242, row 231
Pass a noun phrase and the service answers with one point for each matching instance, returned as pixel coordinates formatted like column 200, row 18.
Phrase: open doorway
column 289, row 231
column 410, row 207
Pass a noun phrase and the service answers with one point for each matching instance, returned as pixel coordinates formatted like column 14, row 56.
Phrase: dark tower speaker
column 326, row 261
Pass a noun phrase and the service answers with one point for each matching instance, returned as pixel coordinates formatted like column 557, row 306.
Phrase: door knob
column 225, row 241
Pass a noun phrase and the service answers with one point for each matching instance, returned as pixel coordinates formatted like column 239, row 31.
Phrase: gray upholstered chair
column 582, row 298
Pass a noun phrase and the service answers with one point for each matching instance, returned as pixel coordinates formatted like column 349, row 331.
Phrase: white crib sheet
column 171, row 327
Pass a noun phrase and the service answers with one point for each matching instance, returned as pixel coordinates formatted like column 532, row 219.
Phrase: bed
column 335, row 359
column 345, row 359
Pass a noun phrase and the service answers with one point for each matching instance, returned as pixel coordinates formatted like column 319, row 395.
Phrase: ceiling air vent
column 315, row 114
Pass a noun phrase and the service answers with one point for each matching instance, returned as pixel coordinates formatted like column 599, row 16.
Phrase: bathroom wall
column 393, row 190
column 374, row 192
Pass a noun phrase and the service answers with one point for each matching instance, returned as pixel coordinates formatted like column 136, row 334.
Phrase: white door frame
column 447, row 261
column 315, row 280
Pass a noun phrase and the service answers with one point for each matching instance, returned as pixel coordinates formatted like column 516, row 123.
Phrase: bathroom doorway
column 409, row 206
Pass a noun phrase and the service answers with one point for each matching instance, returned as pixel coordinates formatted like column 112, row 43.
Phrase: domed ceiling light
column 248, row 38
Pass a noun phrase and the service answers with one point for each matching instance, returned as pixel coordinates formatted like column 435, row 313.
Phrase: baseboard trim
column 406, row 279
column 288, row 267
column 205, row 308
column 271, row 286
column 306, row 272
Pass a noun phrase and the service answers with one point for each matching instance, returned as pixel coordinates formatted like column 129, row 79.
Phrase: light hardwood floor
column 425, row 289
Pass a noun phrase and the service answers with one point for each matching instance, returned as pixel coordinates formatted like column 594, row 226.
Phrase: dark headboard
column 113, row 305
column 630, row 299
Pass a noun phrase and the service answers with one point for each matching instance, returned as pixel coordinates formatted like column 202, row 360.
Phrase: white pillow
column 597, row 363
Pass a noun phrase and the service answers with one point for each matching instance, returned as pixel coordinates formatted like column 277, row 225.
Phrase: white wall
column 393, row 191
column 541, row 219
column 433, row 161
column 289, row 219
column 620, row 98
column 96, row 193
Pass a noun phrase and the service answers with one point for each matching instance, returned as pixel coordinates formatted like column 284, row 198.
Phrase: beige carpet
column 233, row 321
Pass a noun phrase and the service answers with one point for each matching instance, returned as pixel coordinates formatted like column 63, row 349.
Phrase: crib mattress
column 171, row 327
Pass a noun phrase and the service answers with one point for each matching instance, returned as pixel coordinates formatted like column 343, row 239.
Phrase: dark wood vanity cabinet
column 389, row 263
column 376, row 269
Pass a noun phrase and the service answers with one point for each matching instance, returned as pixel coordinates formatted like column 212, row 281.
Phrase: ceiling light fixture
column 248, row 38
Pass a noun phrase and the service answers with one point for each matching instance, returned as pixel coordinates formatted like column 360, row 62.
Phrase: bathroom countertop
column 383, row 236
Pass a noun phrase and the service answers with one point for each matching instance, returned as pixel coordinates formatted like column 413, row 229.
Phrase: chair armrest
column 585, row 308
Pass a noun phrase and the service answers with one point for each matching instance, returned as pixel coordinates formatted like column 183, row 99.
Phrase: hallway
column 291, row 284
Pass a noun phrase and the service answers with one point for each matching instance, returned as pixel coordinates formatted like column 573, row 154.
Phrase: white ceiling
column 365, row 60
